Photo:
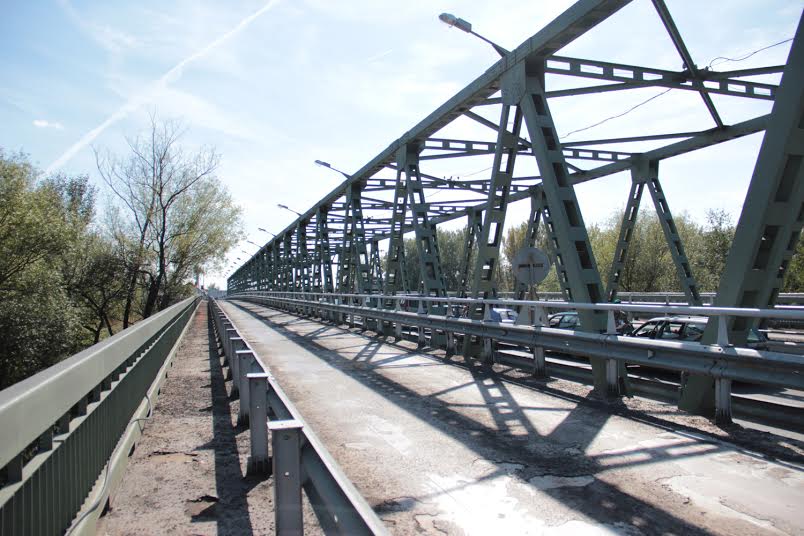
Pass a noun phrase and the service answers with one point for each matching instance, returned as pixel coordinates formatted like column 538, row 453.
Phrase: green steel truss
column 402, row 193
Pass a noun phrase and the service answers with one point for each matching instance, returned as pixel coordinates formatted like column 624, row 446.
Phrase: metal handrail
column 30, row 407
column 300, row 459
column 722, row 361
column 78, row 409
column 787, row 313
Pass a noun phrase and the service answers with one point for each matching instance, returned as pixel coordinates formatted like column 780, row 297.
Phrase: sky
column 275, row 85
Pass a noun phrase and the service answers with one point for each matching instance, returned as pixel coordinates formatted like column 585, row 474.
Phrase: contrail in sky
column 171, row 76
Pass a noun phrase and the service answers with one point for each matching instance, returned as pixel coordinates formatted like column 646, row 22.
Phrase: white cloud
column 163, row 81
column 44, row 123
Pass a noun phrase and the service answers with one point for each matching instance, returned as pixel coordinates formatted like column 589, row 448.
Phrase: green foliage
column 65, row 282
column 39, row 224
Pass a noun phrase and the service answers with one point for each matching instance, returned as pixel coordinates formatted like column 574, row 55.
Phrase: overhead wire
column 748, row 55
column 711, row 63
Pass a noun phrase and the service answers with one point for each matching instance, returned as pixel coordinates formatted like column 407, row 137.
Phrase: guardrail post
column 366, row 320
column 539, row 363
column 245, row 362
column 397, row 325
column 258, row 422
column 228, row 333
column 421, row 310
column 722, row 401
column 488, row 351
column 286, row 449
column 235, row 344
column 450, row 335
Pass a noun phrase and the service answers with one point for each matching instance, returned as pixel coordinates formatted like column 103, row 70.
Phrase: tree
column 179, row 216
column 39, row 223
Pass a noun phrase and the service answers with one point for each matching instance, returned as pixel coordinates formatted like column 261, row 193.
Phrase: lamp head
column 455, row 22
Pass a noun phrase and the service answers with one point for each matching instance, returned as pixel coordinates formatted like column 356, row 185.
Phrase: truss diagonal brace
column 574, row 251
column 680, row 260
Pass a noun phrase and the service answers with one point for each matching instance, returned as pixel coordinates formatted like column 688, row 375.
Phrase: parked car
column 564, row 320
column 689, row 328
column 571, row 320
column 505, row 316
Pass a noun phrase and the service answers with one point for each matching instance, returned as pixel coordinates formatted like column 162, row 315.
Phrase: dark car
column 689, row 328
column 571, row 320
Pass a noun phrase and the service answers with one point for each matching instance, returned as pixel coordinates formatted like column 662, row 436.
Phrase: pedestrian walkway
column 186, row 475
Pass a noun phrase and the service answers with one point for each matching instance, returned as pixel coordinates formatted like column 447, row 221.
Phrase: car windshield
column 694, row 331
column 672, row 330
column 648, row 329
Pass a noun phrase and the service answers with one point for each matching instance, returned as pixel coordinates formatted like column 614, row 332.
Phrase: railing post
column 397, row 325
column 422, row 310
column 722, row 401
column 235, row 344
column 228, row 333
column 613, row 386
column 450, row 335
column 488, row 350
column 258, row 422
column 286, row 449
column 539, row 363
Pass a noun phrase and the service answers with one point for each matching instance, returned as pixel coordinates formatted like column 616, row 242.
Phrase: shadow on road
column 513, row 437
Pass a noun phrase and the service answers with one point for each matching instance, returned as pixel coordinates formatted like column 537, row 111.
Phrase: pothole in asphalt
column 553, row 481
column 203, row 507
column 169, row 456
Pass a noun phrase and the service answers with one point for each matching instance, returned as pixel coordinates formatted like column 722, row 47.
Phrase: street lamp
column 266, row 231
column 288, row 208
column 456, row 22
column 329, row 166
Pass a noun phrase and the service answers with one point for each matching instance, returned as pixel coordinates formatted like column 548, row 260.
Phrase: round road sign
column 531, row 266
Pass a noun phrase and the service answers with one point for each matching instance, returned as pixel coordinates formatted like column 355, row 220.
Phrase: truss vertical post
column 377, row 282
column 324, row 252
column 490, row 238
column 536, row 208
column 573, row 249
column 395, row 276
column 395, row 273
column 426, row 238
column 473, row 228
column 769, row 227
column 640, row 172
column 287, row 262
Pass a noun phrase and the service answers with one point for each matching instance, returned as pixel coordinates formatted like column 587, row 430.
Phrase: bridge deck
column 437, row 447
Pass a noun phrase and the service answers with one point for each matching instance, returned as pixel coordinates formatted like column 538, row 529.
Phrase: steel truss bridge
column 335, row 245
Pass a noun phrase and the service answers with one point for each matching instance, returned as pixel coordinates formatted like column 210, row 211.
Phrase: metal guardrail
column 62, row 426
column 667, row 298
column 723, row 362
column 298, row 459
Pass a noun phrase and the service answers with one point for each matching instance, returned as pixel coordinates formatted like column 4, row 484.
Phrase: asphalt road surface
column 438, row 447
